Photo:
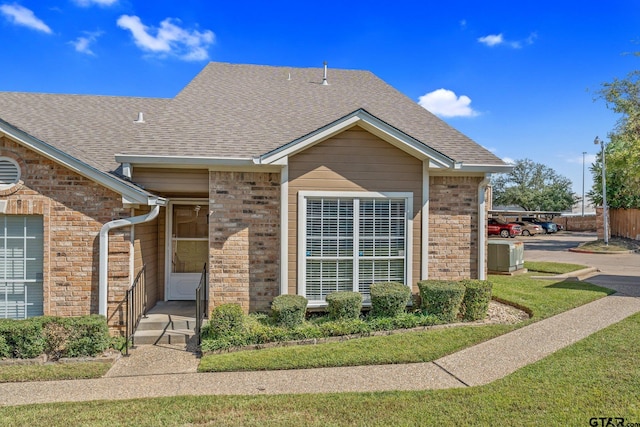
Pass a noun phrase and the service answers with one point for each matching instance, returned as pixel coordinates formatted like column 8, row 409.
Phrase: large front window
column 352, row 242
column 21, row 253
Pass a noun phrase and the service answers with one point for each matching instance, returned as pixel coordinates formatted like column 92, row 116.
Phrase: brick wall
column 453, row 227
column 577, row 223
column 244, row 241
column 74, row 209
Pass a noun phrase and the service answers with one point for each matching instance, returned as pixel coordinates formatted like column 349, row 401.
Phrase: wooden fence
column 625, row 223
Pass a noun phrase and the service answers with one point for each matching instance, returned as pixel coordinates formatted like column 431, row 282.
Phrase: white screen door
column 189, row 249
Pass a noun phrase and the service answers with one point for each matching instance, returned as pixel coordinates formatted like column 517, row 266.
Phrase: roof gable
column 368, row 122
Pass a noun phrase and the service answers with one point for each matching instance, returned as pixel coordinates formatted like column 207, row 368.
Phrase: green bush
column 344, row 305
column 335, row 328
column 388, row 299
column 55, row 336
column 24, row 337
column 89, row 336
column 226, row 319
column 475, row 302
column 5, row 350
column 289, row 310
column 442, row 298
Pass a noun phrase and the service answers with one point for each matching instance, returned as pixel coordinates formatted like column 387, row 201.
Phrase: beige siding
column 183, row 182
column 145, row 246
column 354, row 160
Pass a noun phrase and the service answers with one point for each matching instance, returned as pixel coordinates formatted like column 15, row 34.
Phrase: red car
column 503, row 229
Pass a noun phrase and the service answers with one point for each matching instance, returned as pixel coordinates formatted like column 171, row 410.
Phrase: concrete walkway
column 477, row 365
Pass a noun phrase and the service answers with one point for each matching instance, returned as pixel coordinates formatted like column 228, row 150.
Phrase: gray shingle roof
column 227, row 110
column 90, row 128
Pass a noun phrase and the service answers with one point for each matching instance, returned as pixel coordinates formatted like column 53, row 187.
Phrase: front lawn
column 543, row 298
column 54, row 371
column 596, row 377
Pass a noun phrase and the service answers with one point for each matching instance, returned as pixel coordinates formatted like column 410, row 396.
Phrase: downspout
column 104, row 251
column 482, row 223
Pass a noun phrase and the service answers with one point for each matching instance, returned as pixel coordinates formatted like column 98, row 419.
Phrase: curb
column 577, row 275
column 585, row 251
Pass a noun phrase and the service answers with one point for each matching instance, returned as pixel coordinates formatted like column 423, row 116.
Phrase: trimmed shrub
column 442, row 298
column 225, row 320
column 336, row 328
column 389, row 299
column 55, row 336
column 89, row 336
column 289, row 310
column 5, row 350
column 24, row 337
column 475, row 302
column 344, row 305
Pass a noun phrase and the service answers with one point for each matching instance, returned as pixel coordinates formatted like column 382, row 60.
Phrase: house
column 279, row 180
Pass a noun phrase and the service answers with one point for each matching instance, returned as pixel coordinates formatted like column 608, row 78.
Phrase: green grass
column 552, row 267
column 543, row 298
column 400, row 348
column 596, row 377
column 58, row 371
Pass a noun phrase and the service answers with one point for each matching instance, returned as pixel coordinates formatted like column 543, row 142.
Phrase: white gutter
column 104, row 252
column 482, row 224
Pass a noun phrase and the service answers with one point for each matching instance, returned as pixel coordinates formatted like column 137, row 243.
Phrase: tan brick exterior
column 74, row 209
column 453, row 227
column 244, row 241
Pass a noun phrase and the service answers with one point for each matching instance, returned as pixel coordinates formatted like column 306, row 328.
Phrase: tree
column 623, row 151
column 533, row 187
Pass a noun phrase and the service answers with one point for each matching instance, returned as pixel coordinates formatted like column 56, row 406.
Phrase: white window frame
column 26, row 236
column 18, row 173
column 302, row 233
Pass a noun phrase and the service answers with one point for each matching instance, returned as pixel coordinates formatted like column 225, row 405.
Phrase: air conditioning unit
column 505, row 256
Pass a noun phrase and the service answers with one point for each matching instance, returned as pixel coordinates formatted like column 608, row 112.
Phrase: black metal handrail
column 202, row 302
column 136, row 306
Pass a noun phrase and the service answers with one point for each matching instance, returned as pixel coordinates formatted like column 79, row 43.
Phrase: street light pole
column 583, row 154
column 605, row 215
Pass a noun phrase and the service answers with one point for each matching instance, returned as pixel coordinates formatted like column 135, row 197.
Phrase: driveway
column 620, row 272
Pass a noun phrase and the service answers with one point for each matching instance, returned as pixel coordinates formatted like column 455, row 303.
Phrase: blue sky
column 517, row 77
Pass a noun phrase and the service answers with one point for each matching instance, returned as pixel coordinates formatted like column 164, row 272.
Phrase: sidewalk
column 477, row 365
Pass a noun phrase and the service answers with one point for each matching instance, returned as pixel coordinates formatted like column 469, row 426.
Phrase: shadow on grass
column 579, row 286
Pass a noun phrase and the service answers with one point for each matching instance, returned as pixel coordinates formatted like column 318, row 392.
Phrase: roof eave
column 484, row 168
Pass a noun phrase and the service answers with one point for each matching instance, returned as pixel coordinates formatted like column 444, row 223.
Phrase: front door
column 188, row 249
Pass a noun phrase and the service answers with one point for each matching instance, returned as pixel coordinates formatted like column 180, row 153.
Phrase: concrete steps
column 169, row 322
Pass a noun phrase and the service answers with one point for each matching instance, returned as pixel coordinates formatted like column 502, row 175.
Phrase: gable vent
column 9, row 172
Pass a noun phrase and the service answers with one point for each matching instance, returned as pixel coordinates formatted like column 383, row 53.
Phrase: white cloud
column 170, row 39
column 463, row 23
column 87, row 3
column 498, row 39
column 509, row 160
column 446, row 103
column 20, row 15
column 83, row 43
column 492, row 40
